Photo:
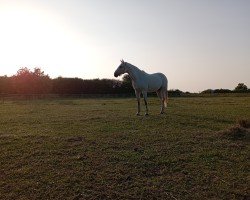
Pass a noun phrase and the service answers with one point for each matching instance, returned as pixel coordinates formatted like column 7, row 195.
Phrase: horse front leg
column 138, row 95
column 145, row 101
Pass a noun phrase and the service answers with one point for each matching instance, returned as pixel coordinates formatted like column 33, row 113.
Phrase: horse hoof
column 137, row 114
column 161, row 113
column 146, row 114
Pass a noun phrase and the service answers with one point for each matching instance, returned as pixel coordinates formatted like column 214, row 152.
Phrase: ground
column 99, row 149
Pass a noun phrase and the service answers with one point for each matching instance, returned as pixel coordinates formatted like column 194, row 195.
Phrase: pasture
column 99, row 149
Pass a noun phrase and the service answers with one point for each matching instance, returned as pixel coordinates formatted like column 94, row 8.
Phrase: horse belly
column 154, row 84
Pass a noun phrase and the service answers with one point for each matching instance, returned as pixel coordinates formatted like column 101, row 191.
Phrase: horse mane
column 133, row 70
column 136, row 68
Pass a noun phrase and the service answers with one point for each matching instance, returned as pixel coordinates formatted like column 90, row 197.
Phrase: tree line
column 26, row 82
column 240, row 88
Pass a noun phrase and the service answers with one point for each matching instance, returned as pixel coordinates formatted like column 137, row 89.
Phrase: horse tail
column 166, row 94
column 165, row 98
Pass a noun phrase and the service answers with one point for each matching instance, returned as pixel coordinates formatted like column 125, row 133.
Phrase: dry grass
column 240, row 131
column 99, row 149
column 245, row 123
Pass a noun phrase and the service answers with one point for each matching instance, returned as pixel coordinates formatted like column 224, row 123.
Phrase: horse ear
column 122, row 61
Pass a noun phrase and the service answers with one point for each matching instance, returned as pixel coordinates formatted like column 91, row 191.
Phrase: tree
column 67, row 85
column 127, row 84
column 27, row 82
column 208, row 91
column 126, row 79
column 222, row 91
column 175, row 93
column 241, row 87
column 6, row 86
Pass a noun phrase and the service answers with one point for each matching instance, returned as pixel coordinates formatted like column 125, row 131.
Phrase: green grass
column 99, row 149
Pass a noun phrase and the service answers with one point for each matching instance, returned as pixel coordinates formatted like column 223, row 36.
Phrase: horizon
column 198, row 45
column 34, row 71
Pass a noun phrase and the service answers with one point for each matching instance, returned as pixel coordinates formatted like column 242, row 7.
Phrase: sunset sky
column 197, row 44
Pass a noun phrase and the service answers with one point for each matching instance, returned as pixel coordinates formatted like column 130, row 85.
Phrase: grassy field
column 99, row 149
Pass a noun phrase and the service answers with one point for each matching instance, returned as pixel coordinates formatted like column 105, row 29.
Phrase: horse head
column 121, row 69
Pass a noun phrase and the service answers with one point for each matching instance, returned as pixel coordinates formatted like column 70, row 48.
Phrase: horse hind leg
column 145, row 101
column 158, row 92
column 138, row 95
column 160, row 95
column 164, row 99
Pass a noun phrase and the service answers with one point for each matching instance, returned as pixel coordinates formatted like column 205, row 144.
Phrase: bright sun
column 37, row 38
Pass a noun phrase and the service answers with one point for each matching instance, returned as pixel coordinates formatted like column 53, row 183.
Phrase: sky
column 197, row 44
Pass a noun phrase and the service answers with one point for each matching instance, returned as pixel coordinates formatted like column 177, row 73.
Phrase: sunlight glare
column 36, row 38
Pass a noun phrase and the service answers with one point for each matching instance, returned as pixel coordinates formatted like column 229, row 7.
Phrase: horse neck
column 133, row 72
